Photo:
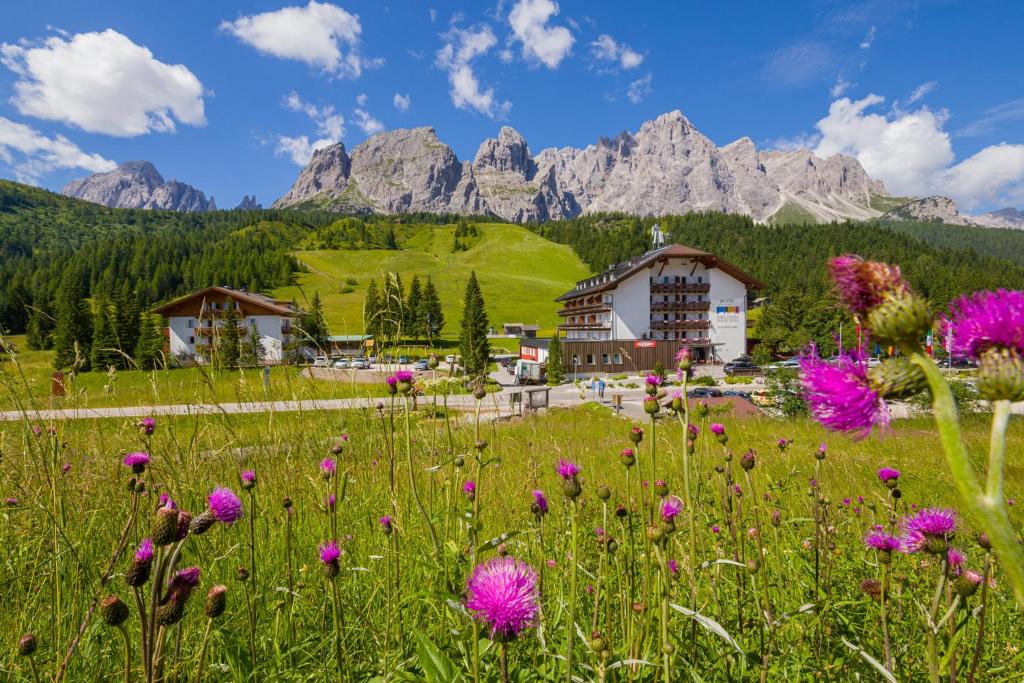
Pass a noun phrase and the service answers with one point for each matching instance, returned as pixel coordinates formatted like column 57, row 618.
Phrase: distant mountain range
column 666, row 167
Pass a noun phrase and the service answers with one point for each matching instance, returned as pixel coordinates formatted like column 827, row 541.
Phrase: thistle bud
column 660, row 488
column 165, row 527
column 702, row 410
column 286, row 503
column 897, row 378
column 242, row 574
column 603, row 492
column 27, row 645
column 900, row 317
column 202, row 523
column 184, row 522
column 216, row 602
column 691, row 446
column 171, row 612
column 137, row 574
column 501, row 550
column 480, row 444
column 984, row 541
column 572, row 488
column 113, row 610
column 753, row 566
column 967, row 584
column 651, row 406
column 621, row 511
column 597, row 643
column 479, row 393
column 776, row 518
column 1000, row 374
column 433, row 362
column 459, row 461
column 627, row 457
column 131, row 484
column 636, row 434
column 747, row 460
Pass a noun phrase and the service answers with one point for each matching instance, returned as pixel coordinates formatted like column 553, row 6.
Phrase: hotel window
column 191, row 340
column 190, row 323
column 617, row 358
column 590, row 359
column 604, row 359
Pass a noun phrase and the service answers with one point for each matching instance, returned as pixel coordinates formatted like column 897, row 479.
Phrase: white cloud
column 31, row 154
column 319, row 34
column 607, row 49
column 456, row 57
column 922, row 90
column 798, row 141
column 868, row 39
column 433, row 14
column 840, row 87
column 402, row 102
column 361, row 99
column 330, row 127
column 798, row 64
column 912, row 154
column 548, row 45
column 639, row 89
column 102, row 82
column 367, row 123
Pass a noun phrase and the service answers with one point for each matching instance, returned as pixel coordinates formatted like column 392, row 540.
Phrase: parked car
column 450, row 358
column 704, row 392
column 420, row 366
column 321, row 362
column 958, row 363
column 371, row 360
column 341, row 363
column 735, row 393
column 742, row 365
column 360, row 364
column 788, row 364
column 402, row 360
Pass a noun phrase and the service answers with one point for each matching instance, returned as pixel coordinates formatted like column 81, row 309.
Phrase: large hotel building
column 643, row 310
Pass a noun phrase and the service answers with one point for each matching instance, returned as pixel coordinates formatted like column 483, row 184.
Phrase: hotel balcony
column 681, row 306
column 681, row 288
column 213, row 330
column 585, row 308
column 586, row 326
column 680, row 324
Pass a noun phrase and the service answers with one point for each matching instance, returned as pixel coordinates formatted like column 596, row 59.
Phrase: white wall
column 268, row 327
column 728, row 329
column 179, row 336
column 632, row 307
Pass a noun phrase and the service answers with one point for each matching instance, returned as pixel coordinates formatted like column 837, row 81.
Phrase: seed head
column 113, row 610
column 27, row 645
column 216, row 601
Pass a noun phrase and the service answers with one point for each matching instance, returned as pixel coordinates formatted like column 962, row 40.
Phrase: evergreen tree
column 371, row 310
column 413, row 323
column 313, row 325
column 229, row 344
column 104, row 353
column 473, row 343
column 556, row 372
column 252, row 347
column 72, row 336
column 390, row 241
column 39, row 331
column 150, row 345
column 127, row 324
column 431, row 314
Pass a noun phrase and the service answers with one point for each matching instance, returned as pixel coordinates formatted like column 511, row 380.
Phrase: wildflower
column 113, row 610
column 502, row 594
column 989, row 327
column 889, row 476
column 392, row 383
column 329, row 554
column 871, row 588
column 147, row 425
column 841, row 397
column 172, row 609
column 954, row 560
column 882, row 542
column 184, row 524
column 683, row 359
column 165, row 527
column 677, row 401
column 636, row 434
column 330, row 501
column 715, row 529
column 385, row 524
column 822, row 450
column 569, row 472
column 603, row 492
column 27, row 645
column 652, row 381
column 930, row 530
column 138, row 572
column 717, row 428
column 747, row 460
column 651, row 405
column 224, row 507
column 966, row 584
column 877, row 294
column 782, row 444
column 673, row 567
column 65, row 468
column 539, row 507
column 628, row 457
column 136, row 461
column 328, row 468
column 776, row 518
column 752, row 533
column 551, row 564
column 11, row 502
column 670, row 507
column 469, row 488
column 660, row 488
column 694, row 430
column 216, row 602
column 737, row 490
column 248, row 479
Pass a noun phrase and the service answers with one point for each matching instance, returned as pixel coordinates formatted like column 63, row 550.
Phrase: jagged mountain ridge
column 667, row 166
column 138, row 185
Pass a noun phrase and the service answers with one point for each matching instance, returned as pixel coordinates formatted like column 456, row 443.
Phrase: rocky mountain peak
column 507, row 153
column 138, row 185
column 1002, row 218
column 929, row 209
column 249, row 203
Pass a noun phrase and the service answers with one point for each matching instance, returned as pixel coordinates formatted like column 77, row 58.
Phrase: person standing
column 600, row 388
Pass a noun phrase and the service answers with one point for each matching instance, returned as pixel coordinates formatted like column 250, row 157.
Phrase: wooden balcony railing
column 680, row 324
column 681, row 306
column 682, row 288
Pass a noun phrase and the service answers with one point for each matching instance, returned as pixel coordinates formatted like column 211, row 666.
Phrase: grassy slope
column 520, row 275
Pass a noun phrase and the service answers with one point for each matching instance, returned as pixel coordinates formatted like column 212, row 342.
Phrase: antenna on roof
column 657, row 237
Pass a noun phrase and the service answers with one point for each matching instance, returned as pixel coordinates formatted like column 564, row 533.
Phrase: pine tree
column 556, row 371
column 127, row 325
column 229, row 344
column 104, row 353
column 72, row 336
column 413, row 323
column 313, row 325
column 431, row 314
column 473, row 343
column 150, row 345
column 390, row 241
column 371, row 310
column 39, row 330
column 252, row 347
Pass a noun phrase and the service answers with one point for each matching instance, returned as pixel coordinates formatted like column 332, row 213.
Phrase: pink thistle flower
column 11, row 502
column 653, row 380
column 330, row 502
column 328, row 467
column 551, row 564
column 693, row 429
column 391, row 380
column 540, row 501
column 469, row 488
column 248, row 478
column 670, row 507
column 986, row 320
column 715, row 529
column 502, row 594
column 144, row 553
column 955, row 559
column 782, row 444
column 147, row 425
column 673, row 567
column 136, row 462
column 567, row 469
column 928, row 529
column 879, row 540
column 887, row 474
column 840, row 397
column 403, row 376
column 225, row 505
column 65, row 468
column 717, row 428
column 329, row 552
column 186, row 577
column 862, row 285
column 385, row 523
column 846, row 502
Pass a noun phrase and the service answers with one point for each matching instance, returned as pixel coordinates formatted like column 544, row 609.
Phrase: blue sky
column 928, row 95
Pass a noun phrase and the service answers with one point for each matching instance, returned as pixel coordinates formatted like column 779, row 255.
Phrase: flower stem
column 504, row 663
column 127, row 654
column 412, row 481
column 571, row 628
column 202, row 651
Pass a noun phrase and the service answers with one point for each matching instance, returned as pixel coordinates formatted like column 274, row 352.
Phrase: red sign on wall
column 644, row 344
column 529, row 353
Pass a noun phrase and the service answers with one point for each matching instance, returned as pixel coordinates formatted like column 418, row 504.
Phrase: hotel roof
column 610, row 278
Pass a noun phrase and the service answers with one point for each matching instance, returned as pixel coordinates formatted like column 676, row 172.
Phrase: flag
column 928, row 344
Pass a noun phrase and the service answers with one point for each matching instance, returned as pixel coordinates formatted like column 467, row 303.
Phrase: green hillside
column 520, row 274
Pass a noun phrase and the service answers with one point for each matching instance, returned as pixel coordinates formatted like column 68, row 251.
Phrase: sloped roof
column 219, row 294
column 610, row 278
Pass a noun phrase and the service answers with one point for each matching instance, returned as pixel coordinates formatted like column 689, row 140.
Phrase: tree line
column 391, row 315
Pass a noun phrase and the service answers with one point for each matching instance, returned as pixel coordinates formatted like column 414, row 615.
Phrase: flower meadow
column 422, row 545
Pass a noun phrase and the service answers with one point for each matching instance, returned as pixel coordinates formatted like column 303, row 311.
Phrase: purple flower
column 403, row 376
column 328, row 467
column 887, row 474
column 144, row 553
column 782, row 443
column 653, row 380
column 985, row 320
column 469, row 488
column 11, row 502
column 502, row 593
column 928, row 529
column 954, row 558
column 673, row 567
column 186, row 577
column 330, row 501
column 147, row 425
column 136, row 461
column 248, row 477
column 225, row 505
column 567, row 469
column 862, row 285
column 840, row 397
column 329, row 552
column 693, row 429
column 670, row 507
column 715, row 529
column 391, row 380
column 65, row 468
column 717, row 428
column 846, row 502
column 540, row 501
column 879, row 540
column 385, row 522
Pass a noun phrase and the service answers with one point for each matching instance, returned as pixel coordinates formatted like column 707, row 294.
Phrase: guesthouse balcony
column 680, row 324
column 681, row 306
column 681, row 288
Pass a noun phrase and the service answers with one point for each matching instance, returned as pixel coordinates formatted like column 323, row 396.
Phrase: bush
column 965, row 394
column 351, row 281
column 739, row 380
column 703, row 381
column 786, row 393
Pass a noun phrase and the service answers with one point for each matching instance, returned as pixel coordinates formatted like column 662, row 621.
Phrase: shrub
column 739, row 380
column 703, row 381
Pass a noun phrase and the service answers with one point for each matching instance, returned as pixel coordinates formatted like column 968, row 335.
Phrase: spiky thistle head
column 216, row 601
column 929, row 530
column 840, row 396
column 502, row 594
column 539, row 507
column 248, row 479
column 329, row 555
column 113, row 610
column 136, row 462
